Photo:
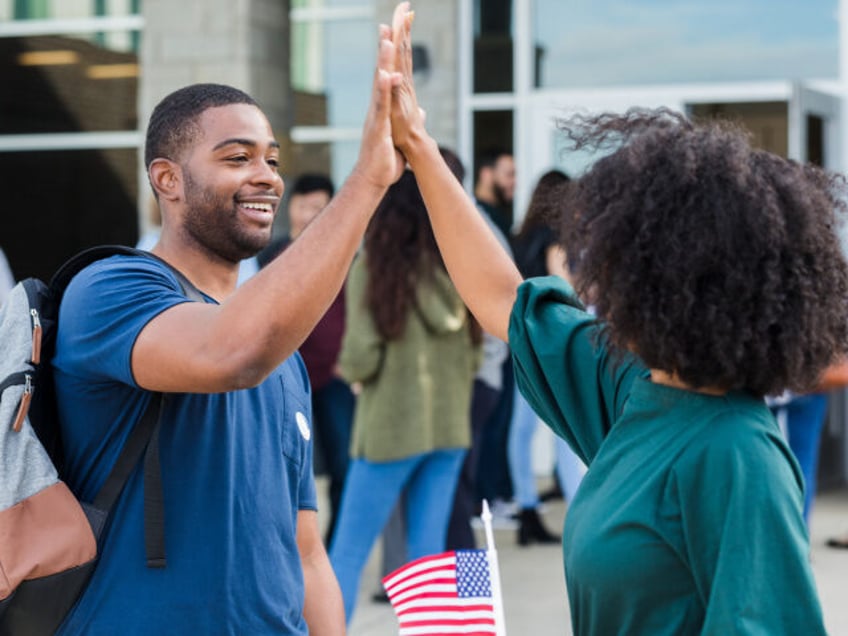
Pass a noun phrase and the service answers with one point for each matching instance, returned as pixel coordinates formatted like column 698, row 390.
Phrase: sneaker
column 504, row 514
column 504, row 523
column 504, row 508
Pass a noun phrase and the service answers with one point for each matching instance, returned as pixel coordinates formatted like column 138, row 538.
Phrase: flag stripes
column 447, row 593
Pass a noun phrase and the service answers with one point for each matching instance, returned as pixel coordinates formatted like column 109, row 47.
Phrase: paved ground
column 534, row 591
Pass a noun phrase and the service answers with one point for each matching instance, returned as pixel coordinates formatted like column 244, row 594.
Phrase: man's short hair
column 308, row 183
column 174, row 120
column 489, row 157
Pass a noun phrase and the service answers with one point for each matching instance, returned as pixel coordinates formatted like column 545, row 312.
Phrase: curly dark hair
column 173, row 122
column 708, row 258
column 401, row 253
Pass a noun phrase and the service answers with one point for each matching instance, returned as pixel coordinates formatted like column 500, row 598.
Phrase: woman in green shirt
column 717, row 278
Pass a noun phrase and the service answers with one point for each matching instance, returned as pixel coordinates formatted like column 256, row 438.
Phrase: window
column 68, row 128
column 604, row 42
column 333, row 49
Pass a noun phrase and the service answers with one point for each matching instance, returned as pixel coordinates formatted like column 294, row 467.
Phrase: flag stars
column 472, row 574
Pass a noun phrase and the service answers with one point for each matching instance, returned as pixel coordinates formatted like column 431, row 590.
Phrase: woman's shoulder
column 739, row 436
column 544, row 309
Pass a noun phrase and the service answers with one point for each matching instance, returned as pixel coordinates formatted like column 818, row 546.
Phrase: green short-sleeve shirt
column 689, row 519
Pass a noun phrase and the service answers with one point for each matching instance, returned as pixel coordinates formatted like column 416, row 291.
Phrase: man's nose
column 267, row 174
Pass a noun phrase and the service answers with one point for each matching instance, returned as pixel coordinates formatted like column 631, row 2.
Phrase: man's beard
column 501, row 199
column 213, row 223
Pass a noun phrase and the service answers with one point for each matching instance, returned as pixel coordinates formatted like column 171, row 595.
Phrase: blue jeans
column 569, row 468
column 370, row 493
column 332, row 415
column 805, row 417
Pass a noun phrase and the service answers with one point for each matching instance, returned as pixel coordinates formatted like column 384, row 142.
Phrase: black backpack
column 48, row 539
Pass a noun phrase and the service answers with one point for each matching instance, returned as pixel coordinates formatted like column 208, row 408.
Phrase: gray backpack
column 48, row 538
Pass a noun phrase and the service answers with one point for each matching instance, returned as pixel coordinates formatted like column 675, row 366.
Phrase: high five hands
column 379, row 162
column 407, row 117
column 394, row 120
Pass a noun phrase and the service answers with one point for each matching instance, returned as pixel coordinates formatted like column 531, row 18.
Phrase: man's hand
column 379, row 161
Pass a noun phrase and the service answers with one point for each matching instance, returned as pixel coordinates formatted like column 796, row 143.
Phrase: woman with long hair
column 718, row 278
column 413, row 347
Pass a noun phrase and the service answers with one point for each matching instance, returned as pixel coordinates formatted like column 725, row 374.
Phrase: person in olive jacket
column 413, row 347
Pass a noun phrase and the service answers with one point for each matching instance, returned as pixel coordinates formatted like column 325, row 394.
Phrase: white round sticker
column 303, row 425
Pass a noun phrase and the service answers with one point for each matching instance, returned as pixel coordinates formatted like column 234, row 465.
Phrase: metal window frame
column 61, row 26
column 71, row 140
column 328, row 134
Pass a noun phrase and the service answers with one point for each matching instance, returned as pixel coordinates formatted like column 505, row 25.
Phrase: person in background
column 308, row 195
column 834, row 377
column 485, row 471
column 690, row 517
column 802, row 418
column 537, row 253
column 459, row 535
column 332, row 399
column 494, row 187
column 487, row 424
column 412, row 345
column 494, row 191
column 7, row 279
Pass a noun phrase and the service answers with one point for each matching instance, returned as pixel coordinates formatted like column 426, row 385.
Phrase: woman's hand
column 407, row 117
column 379, row 162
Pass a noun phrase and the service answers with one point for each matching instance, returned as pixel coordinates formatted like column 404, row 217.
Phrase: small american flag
column 449, row 593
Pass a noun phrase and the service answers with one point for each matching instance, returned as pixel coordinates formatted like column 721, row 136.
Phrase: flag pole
column 497, row 598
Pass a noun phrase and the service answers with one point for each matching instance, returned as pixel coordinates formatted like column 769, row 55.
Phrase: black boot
column 531, row 530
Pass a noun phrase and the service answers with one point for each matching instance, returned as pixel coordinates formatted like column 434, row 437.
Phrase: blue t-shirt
column 236, row 469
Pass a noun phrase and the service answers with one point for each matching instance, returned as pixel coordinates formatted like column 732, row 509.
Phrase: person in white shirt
column 7, row 279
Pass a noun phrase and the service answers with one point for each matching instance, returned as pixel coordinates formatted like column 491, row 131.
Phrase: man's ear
column 166, row 178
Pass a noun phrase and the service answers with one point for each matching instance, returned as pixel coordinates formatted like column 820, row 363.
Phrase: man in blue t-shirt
column 244, row 554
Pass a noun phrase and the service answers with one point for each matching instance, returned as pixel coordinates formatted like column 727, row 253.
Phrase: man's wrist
column 360, row 182
column 419, row 145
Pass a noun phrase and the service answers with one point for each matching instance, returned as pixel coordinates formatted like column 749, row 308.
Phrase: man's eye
column 238, row 159
column 274, row 162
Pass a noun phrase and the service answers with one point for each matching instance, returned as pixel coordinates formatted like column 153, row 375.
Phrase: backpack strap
column 76, row 264
column 154, row 500
column 144, row 437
